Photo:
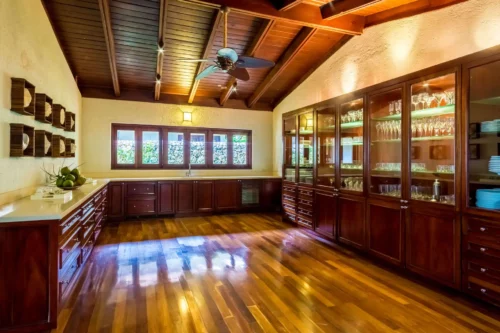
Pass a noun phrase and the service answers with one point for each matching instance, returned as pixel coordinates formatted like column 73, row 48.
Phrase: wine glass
column 415, row 101
column 391, row 108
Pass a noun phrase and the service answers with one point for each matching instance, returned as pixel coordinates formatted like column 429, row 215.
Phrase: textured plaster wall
column 394, row 49
column 29, row 49
column 99, row 114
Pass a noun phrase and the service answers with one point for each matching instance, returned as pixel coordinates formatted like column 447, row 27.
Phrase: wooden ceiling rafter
column 254, row 47
column 285, row 5
column 303, row 15
column 219, row 17
column 110, row 43
column 162, row 19
column 339, row 8
column 288, row 56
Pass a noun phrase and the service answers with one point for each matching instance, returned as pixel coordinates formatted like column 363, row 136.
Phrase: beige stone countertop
column 26, row 210
column 138, row 179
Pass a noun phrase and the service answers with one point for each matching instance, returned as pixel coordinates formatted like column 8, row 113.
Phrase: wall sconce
column 187, row 116
column 309, row 123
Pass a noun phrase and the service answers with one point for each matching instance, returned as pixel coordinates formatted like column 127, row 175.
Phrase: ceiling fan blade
column 209, row 70
column 239, row 73
column 250, row 62
column 228, row 53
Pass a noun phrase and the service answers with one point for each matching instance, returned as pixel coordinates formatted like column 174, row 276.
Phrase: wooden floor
column 250, row 273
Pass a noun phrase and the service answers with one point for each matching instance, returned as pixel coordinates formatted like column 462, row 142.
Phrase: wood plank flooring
column 250, row 273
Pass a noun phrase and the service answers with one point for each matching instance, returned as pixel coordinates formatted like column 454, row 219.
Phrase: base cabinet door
column 270, row 194
column 204, row 196
column 386, row 226
column 227, row 195
column 116, row 201
column 433, row 244
column 185, row 195
column 166, row 198
column 351, row 220
column 326, row 213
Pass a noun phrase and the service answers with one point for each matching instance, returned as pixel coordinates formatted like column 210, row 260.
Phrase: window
column 150, row 147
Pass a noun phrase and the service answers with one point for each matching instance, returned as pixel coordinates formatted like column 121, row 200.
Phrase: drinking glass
column 415, row 101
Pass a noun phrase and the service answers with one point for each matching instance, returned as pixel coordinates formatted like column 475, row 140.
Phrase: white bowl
column 27, row 97
column 73, row 148
column 62, row 146
column 47, row 145
column 63, row 116
column 48, row 109
column 72, row 122
column 26, row 141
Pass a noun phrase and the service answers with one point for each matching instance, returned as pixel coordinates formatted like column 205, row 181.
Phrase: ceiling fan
column 228, row 60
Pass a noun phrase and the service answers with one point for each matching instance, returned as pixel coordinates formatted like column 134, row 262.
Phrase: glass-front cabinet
column 290, row 149
column 325, row 161
column 306, row 148
column 483, row 148
column 432, row 132
column 385, row 152
column 351, row 145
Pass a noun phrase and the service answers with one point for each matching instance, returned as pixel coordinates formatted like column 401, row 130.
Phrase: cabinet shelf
column 352, row 144
column 17, row 132
column 17, row 97
column 354, row 124
column 424, row 138
column 440, row 111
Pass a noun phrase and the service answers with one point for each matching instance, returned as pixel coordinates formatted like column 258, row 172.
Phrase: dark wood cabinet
column 166, row 197
column 227, row 195
column 351, row 220
column 270, row 194
column 433, row 243
column 185, row 194
column 386, row 225
column 326, row 213
column 204, row 196
column 116, row 201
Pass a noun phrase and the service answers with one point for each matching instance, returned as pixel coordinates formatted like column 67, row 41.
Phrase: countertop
column 26, row 210
column 145, row 179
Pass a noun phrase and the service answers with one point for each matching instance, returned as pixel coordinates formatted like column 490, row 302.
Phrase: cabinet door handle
column 483, row 229
column 483, row 270
column 404, row 201
column 483, row 290
column 404, row 207
column 483, row 249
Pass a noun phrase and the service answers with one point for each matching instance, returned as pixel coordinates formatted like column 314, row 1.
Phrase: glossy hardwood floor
column 250, row 273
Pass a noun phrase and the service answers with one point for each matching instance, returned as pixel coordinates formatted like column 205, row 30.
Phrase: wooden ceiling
column 112, row 46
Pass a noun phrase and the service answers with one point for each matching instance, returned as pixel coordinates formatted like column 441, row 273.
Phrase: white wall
column 99, row 114
column 393, row 49
column 29, row 49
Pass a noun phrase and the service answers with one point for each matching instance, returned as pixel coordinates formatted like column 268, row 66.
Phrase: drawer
column 88, row 207
column 484, row 289
column 141, row 207
column 485, row 272
column 305, row 222
column 68, row 274
column 305, row 204
column 483, row 228
column 141, row 189
column 306, row 213
column 483, row 249
column 289, row 208
column 89, row 245
column 289, row 199
column 289, row 216
column 71, row 245
column 305, row 193
column 290, row 190
column 69, row 223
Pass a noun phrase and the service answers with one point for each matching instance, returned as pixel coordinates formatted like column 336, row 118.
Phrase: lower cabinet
column 116, row 201
column 166, row 197
column 433, row 243
column 351, row 220
column 184, row 192
column 227, row 195
column 204, row 196
column 386, row 225
column 270, row 194
column 326, row 213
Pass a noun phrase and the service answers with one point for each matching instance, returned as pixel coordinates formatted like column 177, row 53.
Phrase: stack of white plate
column 490, row 126
column 489, row 199
column 494, row 165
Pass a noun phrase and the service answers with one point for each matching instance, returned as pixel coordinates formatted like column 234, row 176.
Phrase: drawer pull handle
column 483, row 290
column 483, row 270
column 75, row 239
column 483, row 229
column 483, row 249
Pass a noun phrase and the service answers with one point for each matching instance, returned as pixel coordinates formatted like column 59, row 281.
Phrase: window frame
column 163, row 150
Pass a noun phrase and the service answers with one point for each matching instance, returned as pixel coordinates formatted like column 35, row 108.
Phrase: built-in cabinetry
column 42, row 261
column 191, row 197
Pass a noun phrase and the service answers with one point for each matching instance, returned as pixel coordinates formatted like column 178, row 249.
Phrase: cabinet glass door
column 351, row 145
column 306, row 151
column 385, row 143
column 483, row 158
column 325, row 161
column 433, row 140
column 290, row 151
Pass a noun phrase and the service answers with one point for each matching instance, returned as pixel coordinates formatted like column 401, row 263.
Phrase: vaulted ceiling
column 112, row 46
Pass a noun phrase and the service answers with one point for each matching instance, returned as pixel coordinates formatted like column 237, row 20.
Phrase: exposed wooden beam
column 304, row 77
column 303, row 15
column 162, row 22
column 339, row 8
column 284, row 5
column 288, row 56
column 208, row 47
column 110, row 43
column 263, row 32
column 411, row 9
